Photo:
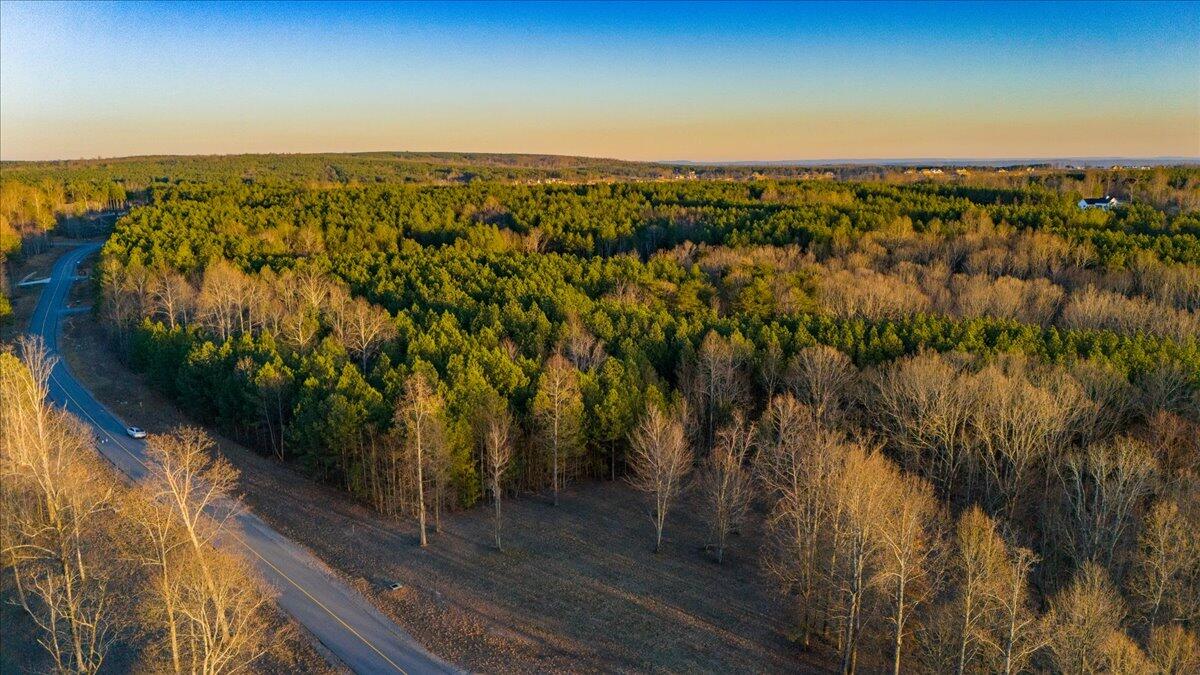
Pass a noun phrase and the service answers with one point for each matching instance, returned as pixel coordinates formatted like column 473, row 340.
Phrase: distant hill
column 137, row 173
column 366, row 167
column 1054, row 162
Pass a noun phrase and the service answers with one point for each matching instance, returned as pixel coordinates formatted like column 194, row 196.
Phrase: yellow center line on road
column 281, row 573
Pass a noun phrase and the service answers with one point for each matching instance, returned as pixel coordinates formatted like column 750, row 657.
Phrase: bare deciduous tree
column 558, row 407
column 1093, row 308
column 304, row 294
column 121, row 306
column 213, row 605
column 299, row 328
column 160, row 546
column 1112, row 401
column 1103, row 491
column 272, row 381
column 198, row 484
column 172, row 297
column 823, row 378
column 909, row 546
column 1121, row 656
column 1082, row 618
column 978, row 562
column 1168, row 387
column 923, row 405
column 725, row 481
column 659, row 459
column 223, row 299
column 769, row 367
column 1016, row 632
column 419, row 417
column 362, row 327
column 225, row 627
column 440, row 472
column 1166, row 567
column 1173, row 650
column 57, row 522
column 860, row 495
column 499, row 450
column 1015, row 426
column 798, row 462
column 582, row 348
column 714, row 385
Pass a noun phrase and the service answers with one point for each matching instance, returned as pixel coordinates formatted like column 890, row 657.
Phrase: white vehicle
column 135, row 432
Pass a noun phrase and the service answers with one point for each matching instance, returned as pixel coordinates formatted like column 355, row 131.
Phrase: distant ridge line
column 563, row 161
column 1057, row 162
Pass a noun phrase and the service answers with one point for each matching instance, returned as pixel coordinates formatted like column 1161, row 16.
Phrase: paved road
column 345, row 622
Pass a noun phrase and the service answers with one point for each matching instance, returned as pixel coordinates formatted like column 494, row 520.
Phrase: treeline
column 1172, row 189
column 139, row 173
column 96, row 563
column 642, row 217
column 1168, row 188
column 1031, row 278
column 28, row 210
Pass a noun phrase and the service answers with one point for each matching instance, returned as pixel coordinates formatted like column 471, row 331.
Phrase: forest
column 966, row 412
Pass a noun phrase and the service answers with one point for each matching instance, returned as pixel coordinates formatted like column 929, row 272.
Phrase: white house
column 1104, row 202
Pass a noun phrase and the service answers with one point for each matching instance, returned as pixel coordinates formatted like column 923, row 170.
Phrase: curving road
column 343, row 620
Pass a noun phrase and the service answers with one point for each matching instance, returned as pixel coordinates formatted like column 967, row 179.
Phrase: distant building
column 1104, row 202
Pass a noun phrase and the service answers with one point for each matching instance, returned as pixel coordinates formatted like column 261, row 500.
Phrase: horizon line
column 816, row 161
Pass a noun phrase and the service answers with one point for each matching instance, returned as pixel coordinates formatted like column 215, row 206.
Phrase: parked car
column 135, row 432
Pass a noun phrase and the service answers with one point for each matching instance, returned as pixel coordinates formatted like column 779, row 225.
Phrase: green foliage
column 485, row 280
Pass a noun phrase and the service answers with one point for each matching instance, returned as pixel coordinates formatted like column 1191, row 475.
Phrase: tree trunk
column 172, row 628
column 850, row 648
column 421, row 490
column 962, row 645
column 497, row 498
column 660, row 517
column 555, row 478
column 899, row 628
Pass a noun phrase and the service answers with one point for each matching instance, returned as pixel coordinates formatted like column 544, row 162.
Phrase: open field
column 577, row 587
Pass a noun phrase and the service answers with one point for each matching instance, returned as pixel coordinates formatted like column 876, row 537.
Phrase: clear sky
column 636, row 81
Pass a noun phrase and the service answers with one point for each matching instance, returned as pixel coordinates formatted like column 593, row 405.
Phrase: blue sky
column 640, row 81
